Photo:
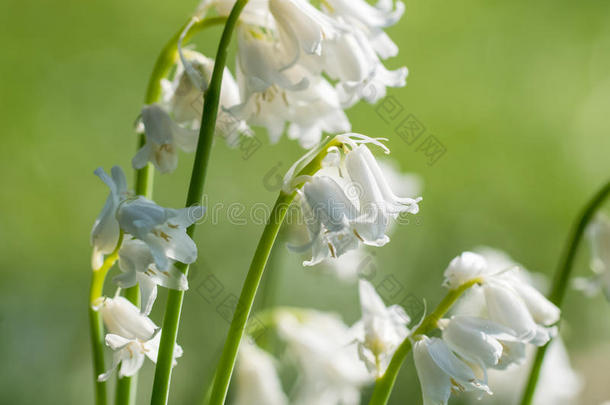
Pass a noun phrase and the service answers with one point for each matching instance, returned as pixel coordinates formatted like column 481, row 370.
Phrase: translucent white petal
column 543, row 311
column 116, row 342
column 132, row 363
column 434, row 382
column 506, row 307
column 367, row 14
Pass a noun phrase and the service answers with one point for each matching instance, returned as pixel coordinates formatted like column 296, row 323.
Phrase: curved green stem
column 173, row 308
column 246, row 299
column 385, row 383
column 561, row 281
column 255, row 273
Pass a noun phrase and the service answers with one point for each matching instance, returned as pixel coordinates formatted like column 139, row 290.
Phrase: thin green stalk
column 385, row 383
column 97, row 335
column 171, row 320
column 96, row 325
column 246, row 299
column 561, row 280
column 253, row 278
column 126, row 388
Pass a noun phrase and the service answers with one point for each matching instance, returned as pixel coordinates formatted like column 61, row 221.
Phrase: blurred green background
column 518, row 92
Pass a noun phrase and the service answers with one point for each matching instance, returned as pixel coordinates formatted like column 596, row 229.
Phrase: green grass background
column 517, row 91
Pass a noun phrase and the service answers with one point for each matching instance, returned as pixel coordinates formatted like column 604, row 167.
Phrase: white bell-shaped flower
column 348, row 202
column 375, row 76
column 123, row 318
column 381, row 329
column 330, row 371
column 132, row 336
column 309, row 112
column 264, row 61
column 482, row 342
column 328, row 214
column 375, row 192
column 138, row 267
column 163, row 139
column 464, row 268
column 184, row 96
column 162, row 229
column 106, row 230
column 304, row 25
column 441, row 372
column 521, row 308
column 258, row 382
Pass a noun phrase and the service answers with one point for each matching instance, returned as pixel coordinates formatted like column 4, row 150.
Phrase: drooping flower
column 162, row 229
column 381, row 329
column 349, row 201
column 257, row 379
column 173, row 124
column 441, row 372
column 509, row 298
column 305, row 26
column 521, row 308
column 482, row 342
column 287, row 49
column 163, row 139
column 184, row 96
column 308, row 112
column 132, row 336
column 330, row 371
column 138, row 267
column 598, row 233
column 106, row 230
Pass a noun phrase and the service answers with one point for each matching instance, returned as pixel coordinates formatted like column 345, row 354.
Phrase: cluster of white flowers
column 149, row 239
column 298, row 67
column 490, row 331
column 334, row 361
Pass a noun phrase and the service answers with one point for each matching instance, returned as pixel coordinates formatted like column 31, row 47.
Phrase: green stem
column 171, row 320
column 385, row 383
column 97, row 347
column 246, row 299
column 143, row 186
column 561, row 281
column 96, row 325
column 253, row 278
